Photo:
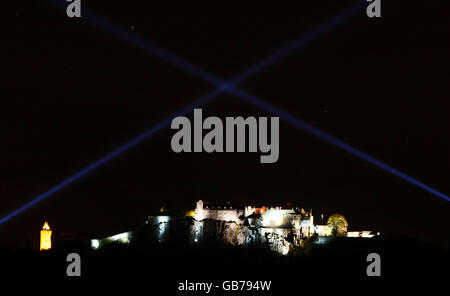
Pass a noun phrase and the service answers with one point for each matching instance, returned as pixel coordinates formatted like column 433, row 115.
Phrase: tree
column 338, row 225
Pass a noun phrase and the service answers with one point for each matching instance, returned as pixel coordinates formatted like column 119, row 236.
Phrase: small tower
column 46, row 237
column 199, row 212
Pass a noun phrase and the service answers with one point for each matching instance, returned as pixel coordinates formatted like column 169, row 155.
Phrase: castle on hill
column 282, row 229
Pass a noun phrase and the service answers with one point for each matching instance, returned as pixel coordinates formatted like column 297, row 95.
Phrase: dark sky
column 72, row 93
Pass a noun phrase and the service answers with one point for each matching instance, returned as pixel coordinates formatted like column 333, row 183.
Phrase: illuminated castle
column 295, row 223
column 281, row 229
column 46, row 237
column 274, row 219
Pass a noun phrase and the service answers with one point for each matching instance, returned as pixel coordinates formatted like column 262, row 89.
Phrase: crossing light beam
column 221, row 86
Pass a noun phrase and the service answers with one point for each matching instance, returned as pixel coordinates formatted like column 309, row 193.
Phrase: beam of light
column 300, row 124
column 137, row 41
column 307, row 38
column 149, row 47
column 229, row 87
column 174, row 60
column 143, row 136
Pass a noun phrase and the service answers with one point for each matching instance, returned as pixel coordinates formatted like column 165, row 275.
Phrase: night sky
column 72, row 93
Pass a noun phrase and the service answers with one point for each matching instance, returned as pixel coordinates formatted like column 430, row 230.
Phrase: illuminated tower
column 46, row 237
column 199, row 211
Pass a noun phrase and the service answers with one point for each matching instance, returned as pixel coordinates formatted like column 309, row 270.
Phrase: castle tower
column 199, row 212
column 46, row 237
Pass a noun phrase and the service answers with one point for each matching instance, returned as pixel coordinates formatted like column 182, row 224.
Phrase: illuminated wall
column 226, row 213
column 121, row 238
column 323, row 230
column 277, row 217
column 364, row 233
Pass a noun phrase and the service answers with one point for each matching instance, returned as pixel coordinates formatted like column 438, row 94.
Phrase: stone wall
column 224, row 213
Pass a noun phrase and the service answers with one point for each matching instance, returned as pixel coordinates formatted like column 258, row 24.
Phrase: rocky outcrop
column 187, row 229
column 278, row 244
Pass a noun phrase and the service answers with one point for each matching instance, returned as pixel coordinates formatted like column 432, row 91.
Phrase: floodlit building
column 219, row 212
column 267, row 221
column 282, row 229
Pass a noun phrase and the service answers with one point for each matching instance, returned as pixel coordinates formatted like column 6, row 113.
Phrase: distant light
column 162, row 219
column 190, row 213
column 95, row 244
